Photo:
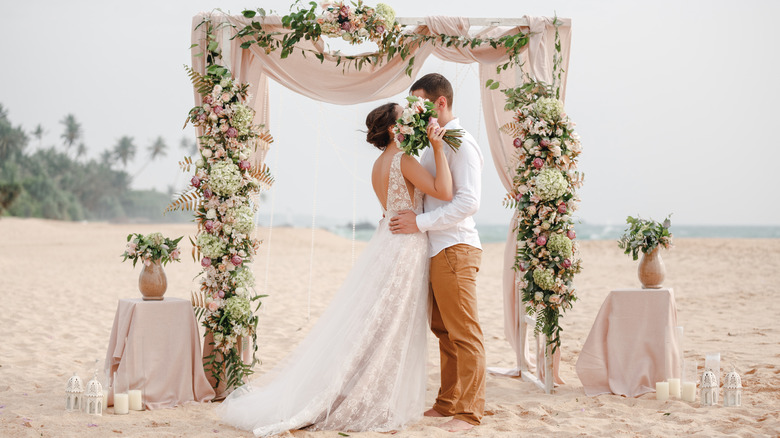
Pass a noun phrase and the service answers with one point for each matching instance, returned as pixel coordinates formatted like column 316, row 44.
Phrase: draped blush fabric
column 142, row 359
column 327, row 82
column 632, row 344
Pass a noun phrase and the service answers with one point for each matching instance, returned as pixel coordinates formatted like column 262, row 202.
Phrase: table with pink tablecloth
column 155, row 347
column 632, row 344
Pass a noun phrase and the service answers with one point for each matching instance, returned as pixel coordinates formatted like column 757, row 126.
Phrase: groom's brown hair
column 434, row 85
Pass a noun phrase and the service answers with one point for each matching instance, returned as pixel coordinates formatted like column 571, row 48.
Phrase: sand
column 60, row 281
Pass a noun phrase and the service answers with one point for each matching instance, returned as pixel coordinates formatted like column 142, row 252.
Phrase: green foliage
column 301, row 24
column 48, row 183
column 645, row 235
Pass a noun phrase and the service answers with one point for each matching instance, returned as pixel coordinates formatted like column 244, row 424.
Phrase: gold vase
column 152, row 282
column 651, row 271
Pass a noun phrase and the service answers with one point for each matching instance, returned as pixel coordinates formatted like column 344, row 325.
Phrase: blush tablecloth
column 632, row 344
column 155, row 347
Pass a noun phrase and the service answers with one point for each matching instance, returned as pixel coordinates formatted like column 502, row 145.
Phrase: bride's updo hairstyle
column 378, row 121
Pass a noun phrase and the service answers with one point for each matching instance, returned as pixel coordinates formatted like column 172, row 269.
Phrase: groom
column 455, row 253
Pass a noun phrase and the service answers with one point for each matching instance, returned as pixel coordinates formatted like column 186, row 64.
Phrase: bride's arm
column 439, row 187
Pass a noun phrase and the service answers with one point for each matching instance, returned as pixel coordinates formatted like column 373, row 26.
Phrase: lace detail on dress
column 397, row 192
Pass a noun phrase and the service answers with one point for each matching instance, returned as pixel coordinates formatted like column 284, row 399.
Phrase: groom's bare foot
column 455, row 425
column 432, row 413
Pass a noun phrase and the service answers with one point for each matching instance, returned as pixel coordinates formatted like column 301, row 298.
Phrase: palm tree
column 124, row 150
column 72, row 131
column 38, row 133
column 107, row 158
column 158, row 149
column 81, row 150
column 190, row 146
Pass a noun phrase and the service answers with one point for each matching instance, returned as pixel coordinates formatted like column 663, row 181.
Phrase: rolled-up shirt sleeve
column 466, row 169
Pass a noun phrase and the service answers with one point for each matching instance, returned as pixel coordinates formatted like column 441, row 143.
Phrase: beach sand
column 60, row 282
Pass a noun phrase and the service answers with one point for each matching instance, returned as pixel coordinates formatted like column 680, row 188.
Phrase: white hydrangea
column 225, row 178
column 550, row 184
column 548, row 108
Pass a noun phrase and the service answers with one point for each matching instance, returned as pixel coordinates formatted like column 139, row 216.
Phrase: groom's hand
column 404, row 223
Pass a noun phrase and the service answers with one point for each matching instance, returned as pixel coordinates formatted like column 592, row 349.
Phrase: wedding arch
column 233, row 59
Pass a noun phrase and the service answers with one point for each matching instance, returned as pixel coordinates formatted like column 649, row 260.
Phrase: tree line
column 59, row 182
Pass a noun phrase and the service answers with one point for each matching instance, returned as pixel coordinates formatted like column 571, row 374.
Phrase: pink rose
column 236, row 260
column 205, row 262
column 346, row 26
column 208, row 193
column 433, row 121
column 175, row 254
column 562, row 208
column 223, row 127
column 541, row 240
column 195, row 181
column 344, row 11
column 522, row 267
column 566, row 263
column 217, row 110
column 221, row 294
column 400, row 138
column 244, row 164
column 571, row 234
column 519, row 196
column 213, row 306
column 544, row 142
column 538, row 163
column 380, row 29
column 232, row 132
column 202, row 117
column 208, row 99
column 517, row 143
column 209, row 225
column 225, row 97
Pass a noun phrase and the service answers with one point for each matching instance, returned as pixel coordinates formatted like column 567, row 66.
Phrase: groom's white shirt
column 449, row 223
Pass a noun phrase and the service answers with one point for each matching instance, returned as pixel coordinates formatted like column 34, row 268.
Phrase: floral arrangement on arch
column 151, row 248
column 357, row 23
column 544, row 195
column 223, row 195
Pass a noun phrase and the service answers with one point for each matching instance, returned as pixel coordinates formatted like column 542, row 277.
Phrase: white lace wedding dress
column 362, row 365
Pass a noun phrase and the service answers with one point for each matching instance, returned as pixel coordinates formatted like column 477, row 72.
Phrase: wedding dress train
column 363, row 364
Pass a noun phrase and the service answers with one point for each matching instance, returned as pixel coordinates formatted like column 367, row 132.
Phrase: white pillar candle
column 661, row 391
column 689, row 391
column 674, row 388
column 105, row 399
column 120, row 403
column 134, row 400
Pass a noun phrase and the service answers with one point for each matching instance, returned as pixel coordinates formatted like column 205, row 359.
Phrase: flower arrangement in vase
column 155, row 251
column 647, row 236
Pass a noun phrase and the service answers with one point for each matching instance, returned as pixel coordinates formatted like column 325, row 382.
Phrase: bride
column 363, row 364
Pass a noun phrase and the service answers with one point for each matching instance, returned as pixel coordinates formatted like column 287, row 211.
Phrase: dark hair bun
column 378, row 121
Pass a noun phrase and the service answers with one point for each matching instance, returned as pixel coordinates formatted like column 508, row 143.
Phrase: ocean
column 492, row 233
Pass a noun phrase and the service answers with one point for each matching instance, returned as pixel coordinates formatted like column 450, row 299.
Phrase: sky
column 674, row 102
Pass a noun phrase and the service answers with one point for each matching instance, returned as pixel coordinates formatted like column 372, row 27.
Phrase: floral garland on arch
column 223, row 194
column 359, row 23
column 544, row 194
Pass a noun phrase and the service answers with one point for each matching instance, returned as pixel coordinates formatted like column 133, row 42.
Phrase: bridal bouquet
column 152, row 248
column 411, row 129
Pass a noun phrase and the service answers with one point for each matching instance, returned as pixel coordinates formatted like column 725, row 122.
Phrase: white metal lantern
column 709, row 388
column 74, row 392
column 732, row 389
column 93, row 397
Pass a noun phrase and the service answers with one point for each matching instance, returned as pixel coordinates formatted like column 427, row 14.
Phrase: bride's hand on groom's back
column 405, row 222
